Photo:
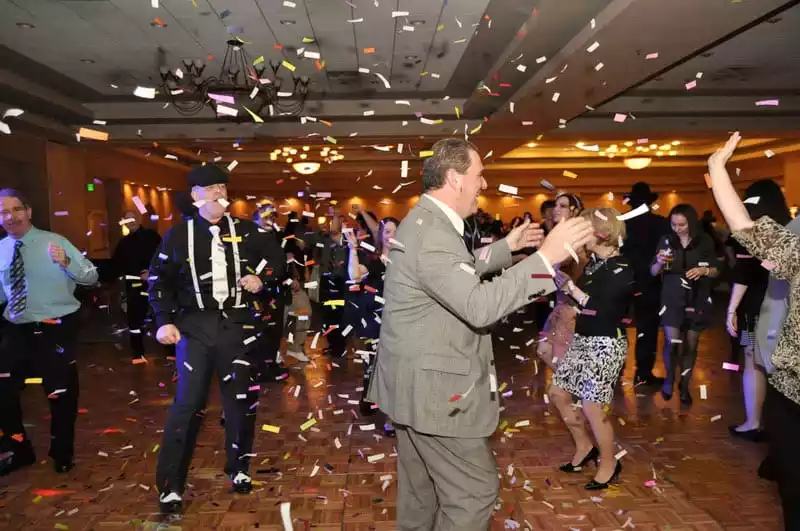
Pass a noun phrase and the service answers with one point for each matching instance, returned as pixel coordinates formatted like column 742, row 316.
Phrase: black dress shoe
column 388, row 430
column 366, row 409
column 756, row 435
column 666, row 392
column 242, row 484
column 596, row 485
column 62, row 466
column 170, row 503
column 10, row 461
column 569, row 468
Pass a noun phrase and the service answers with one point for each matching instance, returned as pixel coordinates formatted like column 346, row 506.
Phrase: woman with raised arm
column 366, row 267
column 779, row 251
column 557, row 332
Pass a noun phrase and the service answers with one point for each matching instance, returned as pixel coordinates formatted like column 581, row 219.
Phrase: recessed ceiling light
column 531, row 144
column 87, row 61
column 288, row 22
column 25, row 25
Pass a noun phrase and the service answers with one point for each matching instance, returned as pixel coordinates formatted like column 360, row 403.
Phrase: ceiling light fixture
column 288, row 22
column 190, row 91
column 25, row 25
column 531, row 144
column 306, row 168
column 638, row 163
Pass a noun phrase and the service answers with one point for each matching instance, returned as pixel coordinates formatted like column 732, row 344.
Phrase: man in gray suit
column 435, row 375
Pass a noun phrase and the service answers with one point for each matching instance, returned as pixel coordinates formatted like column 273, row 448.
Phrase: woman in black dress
column 367, row 267
column 687, row 260
column 748, row 287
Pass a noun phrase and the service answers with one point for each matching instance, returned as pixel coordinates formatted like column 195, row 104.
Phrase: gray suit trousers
column 444, row 483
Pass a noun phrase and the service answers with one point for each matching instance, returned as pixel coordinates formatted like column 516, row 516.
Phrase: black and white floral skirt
column 591, row 367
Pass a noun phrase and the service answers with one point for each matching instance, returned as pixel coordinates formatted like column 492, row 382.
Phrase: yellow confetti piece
column 156, row 447
column 423, row 74
column 308, row 40
column 570, row 174
column 307, row 424
column 270, row 428
column 503, row 387
column 289, row 66
column 258, row 61
column 61, row 526
column 85, row 132
column 423, row 154
column 330, row 139
column 458, row 111
column 503, row 425
column 37, row 499
column 32, row 381
column 231, row 239
column 440, row 27
column 476, row 129
column 460, row 41
column 287, row 455
column 334, row 303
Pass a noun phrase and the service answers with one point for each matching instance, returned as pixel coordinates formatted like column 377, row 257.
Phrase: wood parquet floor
column 682, row 471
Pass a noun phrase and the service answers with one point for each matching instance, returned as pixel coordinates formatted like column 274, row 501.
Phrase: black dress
column 687, row 303
column 748, row 272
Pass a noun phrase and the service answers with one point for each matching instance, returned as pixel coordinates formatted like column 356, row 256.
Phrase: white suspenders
column 195, row 282
column 237, row 268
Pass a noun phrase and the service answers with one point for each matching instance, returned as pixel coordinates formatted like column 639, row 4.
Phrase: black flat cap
column 207, row 175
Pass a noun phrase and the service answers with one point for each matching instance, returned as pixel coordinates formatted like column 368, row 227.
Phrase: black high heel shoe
column 596, row 485
column 569, row 468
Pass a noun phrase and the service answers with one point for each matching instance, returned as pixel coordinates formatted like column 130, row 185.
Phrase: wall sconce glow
column 638, row 163
column 306, row 168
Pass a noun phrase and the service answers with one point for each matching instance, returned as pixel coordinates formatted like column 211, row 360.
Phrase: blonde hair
column 609, row 230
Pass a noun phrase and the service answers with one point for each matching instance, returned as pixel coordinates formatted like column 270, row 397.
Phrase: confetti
column 145, row 92
column 653, row 55
column 638, row 211
column 703, row 392
column 508, row 189
column 570, row 174
column 286, row 516
column 619, row 117
column 595, row 45
column 730, row 366
column 768, row 103
column 716, row 418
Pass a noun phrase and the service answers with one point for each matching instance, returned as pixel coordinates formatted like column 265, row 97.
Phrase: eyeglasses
column 15, row 210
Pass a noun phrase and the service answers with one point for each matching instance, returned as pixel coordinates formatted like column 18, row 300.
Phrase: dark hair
column 689, row 212
column 528, row 215
column 13, row 192
column 546, row 205
column 448, row 154
column 384, row 221
column 515, row 221
column 574, row 201
column 771, row 201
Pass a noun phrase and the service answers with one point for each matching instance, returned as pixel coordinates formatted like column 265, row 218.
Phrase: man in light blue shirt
column 38, row 274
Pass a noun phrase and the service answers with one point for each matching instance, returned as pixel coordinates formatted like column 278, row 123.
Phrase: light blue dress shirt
column 51, row 288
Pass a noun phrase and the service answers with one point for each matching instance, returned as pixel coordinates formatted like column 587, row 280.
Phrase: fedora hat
column 641, row 193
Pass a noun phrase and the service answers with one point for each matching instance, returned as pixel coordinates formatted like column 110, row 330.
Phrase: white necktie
column 219, row 267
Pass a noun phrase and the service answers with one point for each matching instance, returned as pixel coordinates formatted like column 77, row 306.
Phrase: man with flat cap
column 204, row 286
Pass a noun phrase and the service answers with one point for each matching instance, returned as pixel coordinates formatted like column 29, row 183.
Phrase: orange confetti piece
column 138, row 361
column 52, row 321
column 108, row 431
column 49, row 493
column 319, row 64
column 369, row 50
column 329, row 124
column 19, row 437
column 310, row 263
column 158, row 22
column 277, row 46
column 707, row 177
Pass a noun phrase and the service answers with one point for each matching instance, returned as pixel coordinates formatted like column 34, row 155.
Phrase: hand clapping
column 525, row 235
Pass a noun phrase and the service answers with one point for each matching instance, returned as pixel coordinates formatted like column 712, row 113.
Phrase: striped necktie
column 19, row 289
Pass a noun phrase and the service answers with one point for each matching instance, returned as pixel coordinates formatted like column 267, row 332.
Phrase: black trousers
column 782, row 422
column 208, row 342
column 46, row 351
column 645, row 310
column 137, row 312
column 269, row 342
column 334, row 316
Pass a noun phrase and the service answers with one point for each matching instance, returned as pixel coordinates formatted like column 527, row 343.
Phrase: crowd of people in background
column 311, row 287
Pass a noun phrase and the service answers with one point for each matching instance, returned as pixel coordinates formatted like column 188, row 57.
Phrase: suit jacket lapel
column 434, row 209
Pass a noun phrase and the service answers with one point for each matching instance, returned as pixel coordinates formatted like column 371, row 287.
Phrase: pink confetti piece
column 691, row 84
column 653, row 55
column 650, row 483
column 619, row 117
column 61, row 213
column 768, row 103
column 730, row 367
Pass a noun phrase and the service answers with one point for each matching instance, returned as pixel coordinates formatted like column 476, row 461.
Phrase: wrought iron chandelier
column 241, row 86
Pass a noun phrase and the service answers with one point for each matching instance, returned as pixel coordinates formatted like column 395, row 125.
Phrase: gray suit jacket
column 434, row 341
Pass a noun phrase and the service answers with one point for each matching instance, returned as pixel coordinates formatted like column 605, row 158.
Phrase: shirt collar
column 30, row 235
column 455, row 219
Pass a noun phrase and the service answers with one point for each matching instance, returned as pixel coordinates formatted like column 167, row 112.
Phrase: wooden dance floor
column 682, row 471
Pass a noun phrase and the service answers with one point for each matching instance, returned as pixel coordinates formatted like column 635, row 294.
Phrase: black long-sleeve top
column 135, row 251
column 171, row 288
column 678, row 292
column 609, row 284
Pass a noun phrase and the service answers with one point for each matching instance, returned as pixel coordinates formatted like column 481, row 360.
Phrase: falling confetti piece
column 570, row 174
column 85, row 132
column 369, row 50
column 507, row 189
column 145, row 92
column 619, row 117
column 769, row 153
column 768, row 103
column 691, row 84
column 595, row 45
